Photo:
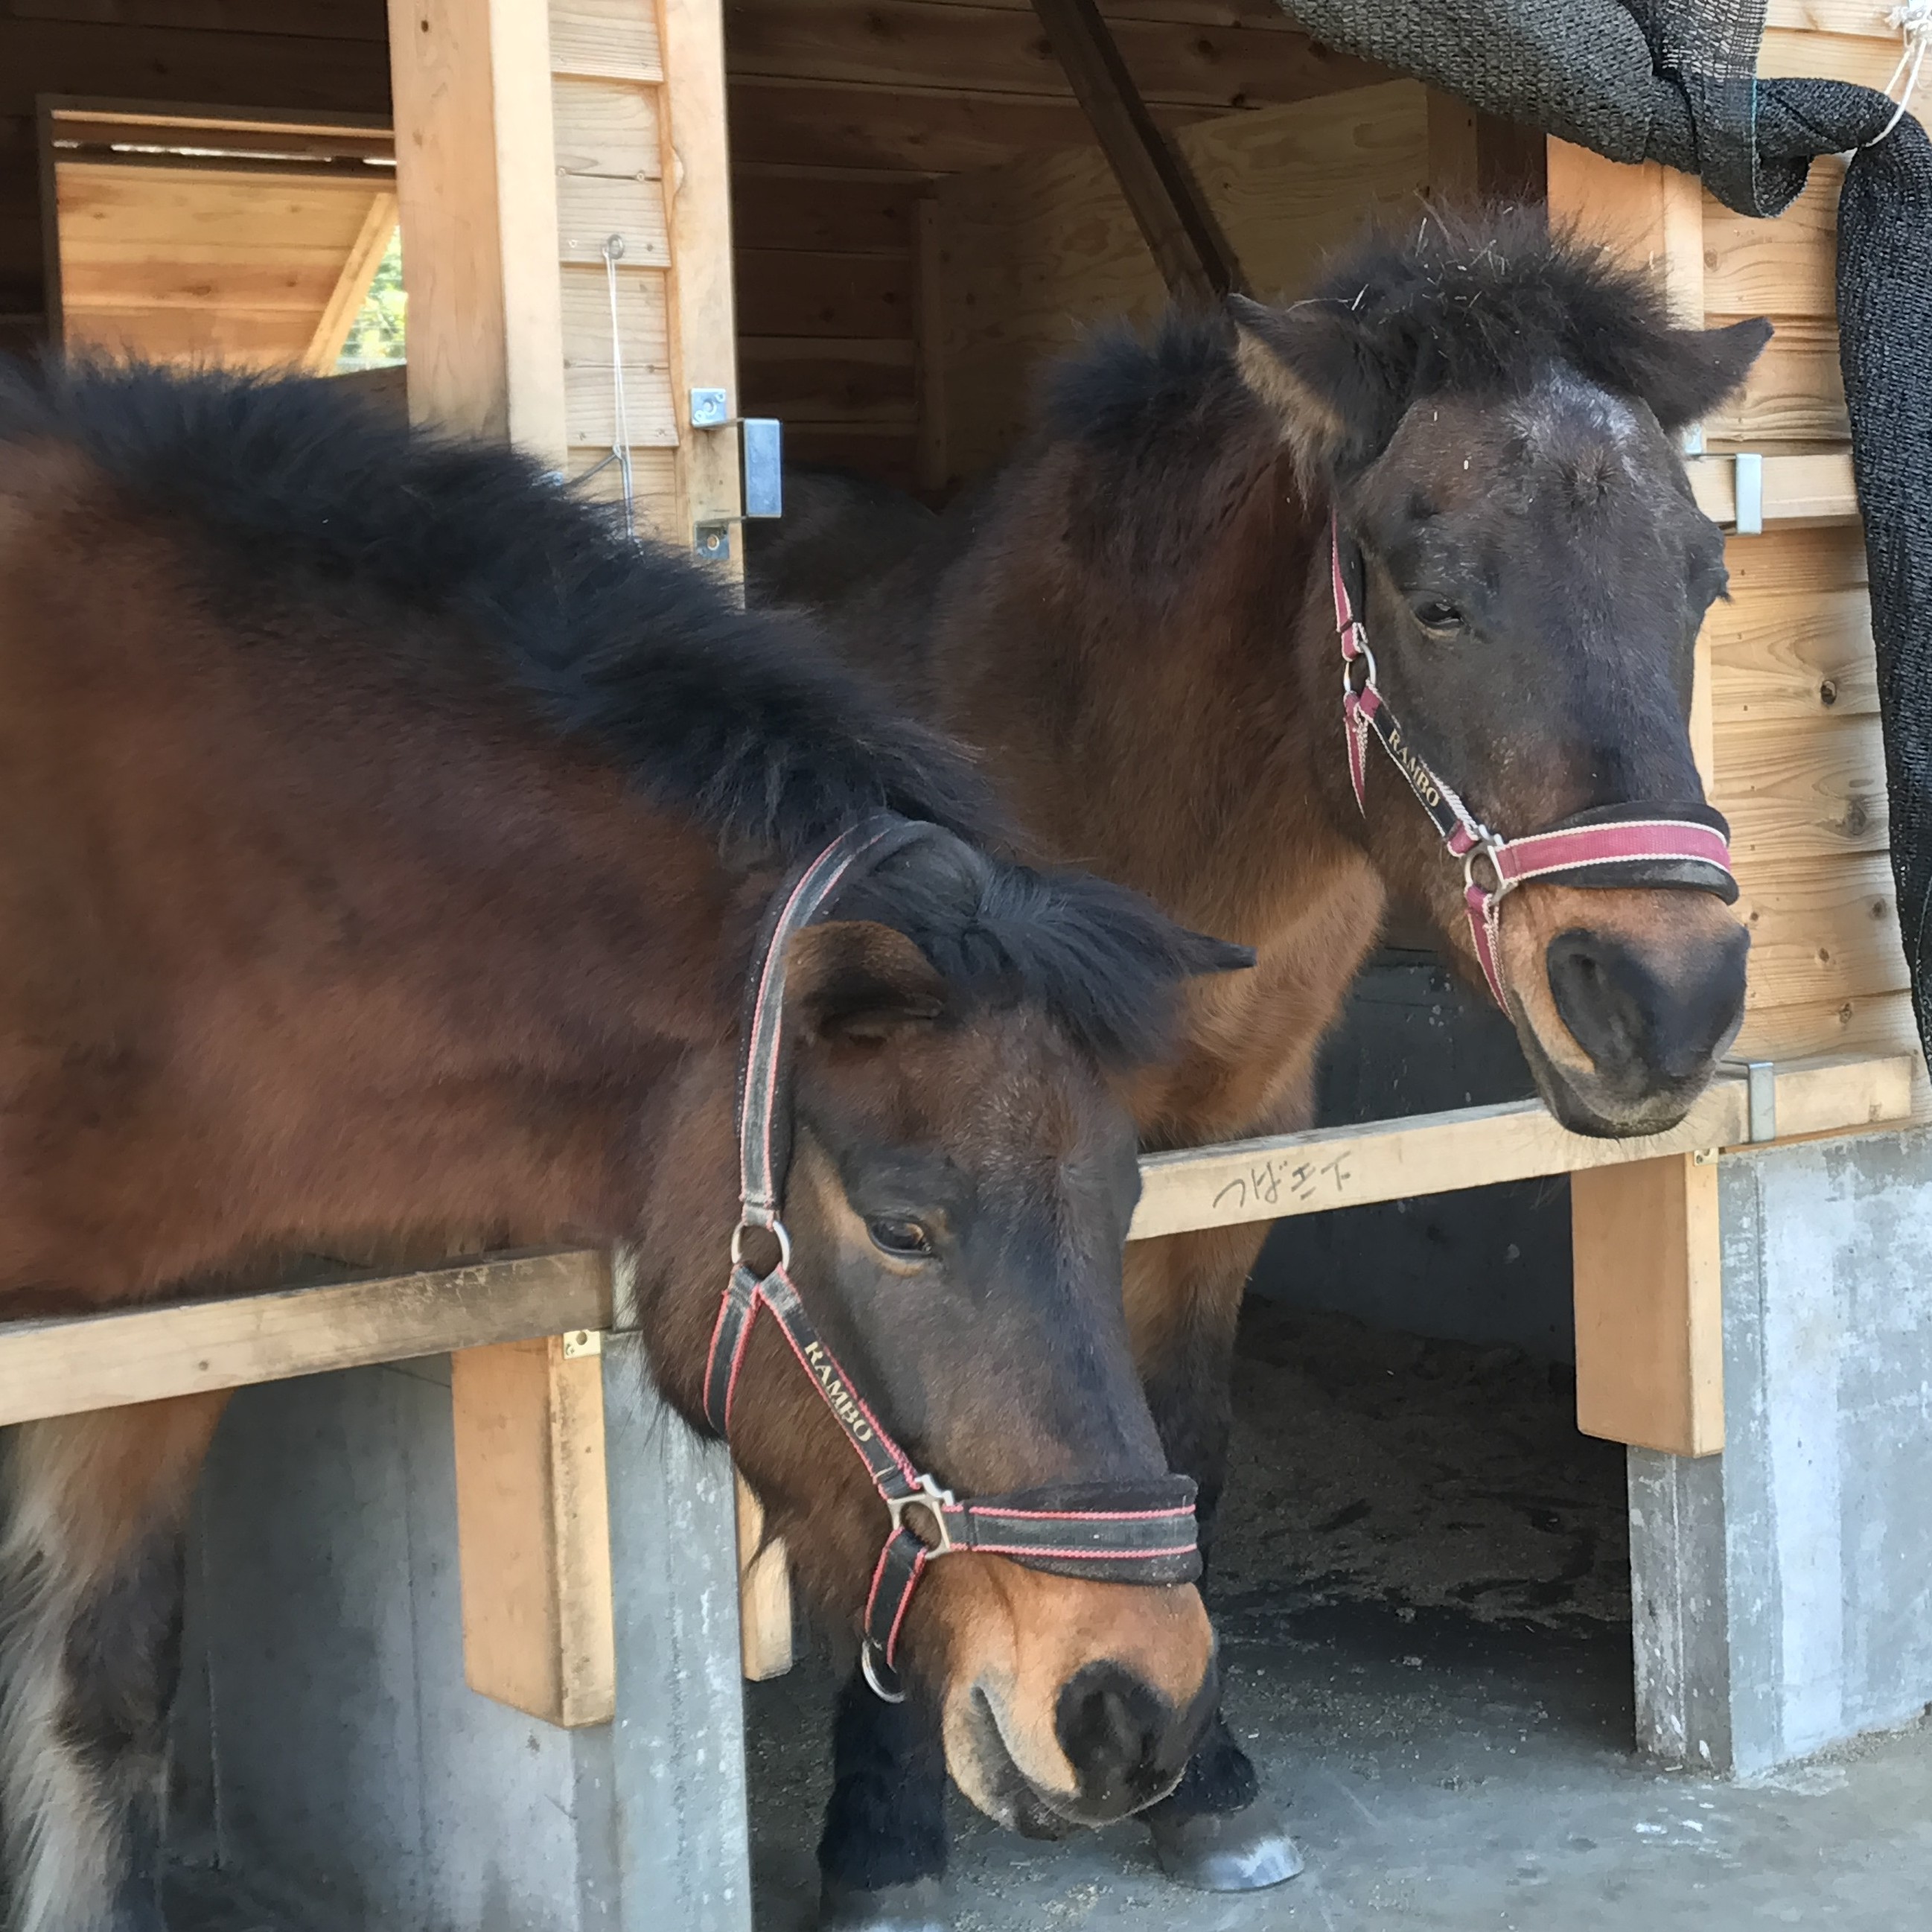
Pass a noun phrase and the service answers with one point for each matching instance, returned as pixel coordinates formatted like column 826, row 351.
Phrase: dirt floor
column 1423, row 1589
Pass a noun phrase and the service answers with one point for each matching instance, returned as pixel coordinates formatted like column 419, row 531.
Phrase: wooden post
column 534, row 1526
column 1644, row 1237
column 1650, row 1357
column 1195, row 257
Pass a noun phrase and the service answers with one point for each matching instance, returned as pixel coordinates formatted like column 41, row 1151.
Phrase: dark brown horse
column 383, row 846
column 1135, row 628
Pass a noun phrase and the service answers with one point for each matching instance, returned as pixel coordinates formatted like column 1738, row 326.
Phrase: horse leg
column 91, row 1581
column 1183, row 1296
column 882, row 1855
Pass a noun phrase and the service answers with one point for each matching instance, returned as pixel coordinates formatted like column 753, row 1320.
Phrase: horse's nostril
column 1632, row 1018
column 1111, row 1726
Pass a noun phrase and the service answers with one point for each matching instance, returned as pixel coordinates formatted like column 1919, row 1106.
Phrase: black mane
column 1483, row 302
column 1102, row 960
column 744, row 721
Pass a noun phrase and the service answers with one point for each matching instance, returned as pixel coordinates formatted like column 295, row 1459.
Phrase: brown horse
column 1135, row 627
column 383, row 845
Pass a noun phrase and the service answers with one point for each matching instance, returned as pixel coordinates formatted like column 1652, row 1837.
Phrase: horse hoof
column 892, row 1908
column 1234, row 1851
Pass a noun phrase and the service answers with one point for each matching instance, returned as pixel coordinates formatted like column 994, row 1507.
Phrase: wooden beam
column 1813, row 488
column 1648, row 1285
column 764, row 1593
column 1195, row 257
column 351, row 286
column 1472, row 1146
column 533, row 1520
column 930, row 346
column 339, row 1321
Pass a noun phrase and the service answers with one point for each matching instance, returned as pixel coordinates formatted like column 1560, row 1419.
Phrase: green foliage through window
column 376, row 337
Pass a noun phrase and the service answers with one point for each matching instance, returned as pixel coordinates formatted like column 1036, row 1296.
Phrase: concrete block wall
column 1783, row 1591
column 332, row 1761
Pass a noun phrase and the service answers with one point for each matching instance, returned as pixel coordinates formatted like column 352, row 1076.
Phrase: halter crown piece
column 1139, row 1532
column 1689, row 846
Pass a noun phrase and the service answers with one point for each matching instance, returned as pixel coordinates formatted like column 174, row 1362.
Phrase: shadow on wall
column 1490, row 1265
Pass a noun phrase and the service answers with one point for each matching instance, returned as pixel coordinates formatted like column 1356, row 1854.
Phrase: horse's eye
column 1437, row 616
column 905, row 1239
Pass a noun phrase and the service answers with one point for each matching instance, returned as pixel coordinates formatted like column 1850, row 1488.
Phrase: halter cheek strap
column 1618, row 845
column 1123, row 1532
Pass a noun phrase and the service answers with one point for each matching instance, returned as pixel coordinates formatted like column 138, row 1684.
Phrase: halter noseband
column 1607, row 846
column 1148, row 1534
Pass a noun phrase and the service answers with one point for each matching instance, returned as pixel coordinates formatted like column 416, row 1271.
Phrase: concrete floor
column 1422, row 1589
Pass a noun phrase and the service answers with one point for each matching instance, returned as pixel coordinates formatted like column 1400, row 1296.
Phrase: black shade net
column 1675, row 81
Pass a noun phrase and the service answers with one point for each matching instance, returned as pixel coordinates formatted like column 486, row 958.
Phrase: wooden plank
column 1863, row 61
column 608, row 39
column 1795, row 790
column 607, row 130
column 90, row 58
column 931, row 457
column 321, row 19
column 1787, row 267
column 703, row 318
column 351, row 286
column 533, row 1527
column 828, row 382
column 476, row 175
column 764, row 1594
column 1436, row 1153
column 591, row 208
column 913, row 43
column 820, row 209
column 904, row 129
column 1796, row 392
column 1195, row 258
column 800, row 293
column 148, row 1354
column 1874, row 1024
column 1792, row 654
column 1812, row 488
column 1647, row 1270
column 1872, row 17
column 1822, row 929
column 1816, row 557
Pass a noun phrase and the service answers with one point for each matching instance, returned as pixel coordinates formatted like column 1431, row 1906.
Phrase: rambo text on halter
column 1607, row 846
column 1124, row 1533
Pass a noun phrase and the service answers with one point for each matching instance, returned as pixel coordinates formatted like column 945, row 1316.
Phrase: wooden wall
column 847, row 117
column 320, row 54
column 1034, row 254
column 1799, row 762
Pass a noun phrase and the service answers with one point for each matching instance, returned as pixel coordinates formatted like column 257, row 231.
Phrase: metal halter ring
column 1485, row 849
column 1362, row 655
column 871, row 1660
column 777, row 1230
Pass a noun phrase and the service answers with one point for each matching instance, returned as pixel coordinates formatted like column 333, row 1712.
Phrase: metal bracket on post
column 761, row 441
column 1748, row 521
column 1761, row 1100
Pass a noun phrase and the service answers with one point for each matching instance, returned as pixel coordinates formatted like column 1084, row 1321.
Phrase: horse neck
column 1194, row 647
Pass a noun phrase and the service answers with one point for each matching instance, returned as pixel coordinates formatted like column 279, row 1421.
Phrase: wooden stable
column 629, row 224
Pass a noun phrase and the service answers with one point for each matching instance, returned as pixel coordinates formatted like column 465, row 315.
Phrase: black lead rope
column 1142, row 1532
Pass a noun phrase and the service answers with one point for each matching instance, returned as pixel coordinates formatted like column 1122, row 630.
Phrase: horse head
column 928, row 1359
column 1493, row 414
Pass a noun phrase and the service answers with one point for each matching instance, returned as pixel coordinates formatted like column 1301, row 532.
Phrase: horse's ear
column 851, row 980
column 1311, row 365
column 1684, row 373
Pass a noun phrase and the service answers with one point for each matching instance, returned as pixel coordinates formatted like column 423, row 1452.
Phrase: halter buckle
column 1487, row 846
column 927, row 1495
column 776, row 1229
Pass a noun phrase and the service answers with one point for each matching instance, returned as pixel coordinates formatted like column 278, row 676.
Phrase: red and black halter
column 1141, row 1532
column 1689, row 846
